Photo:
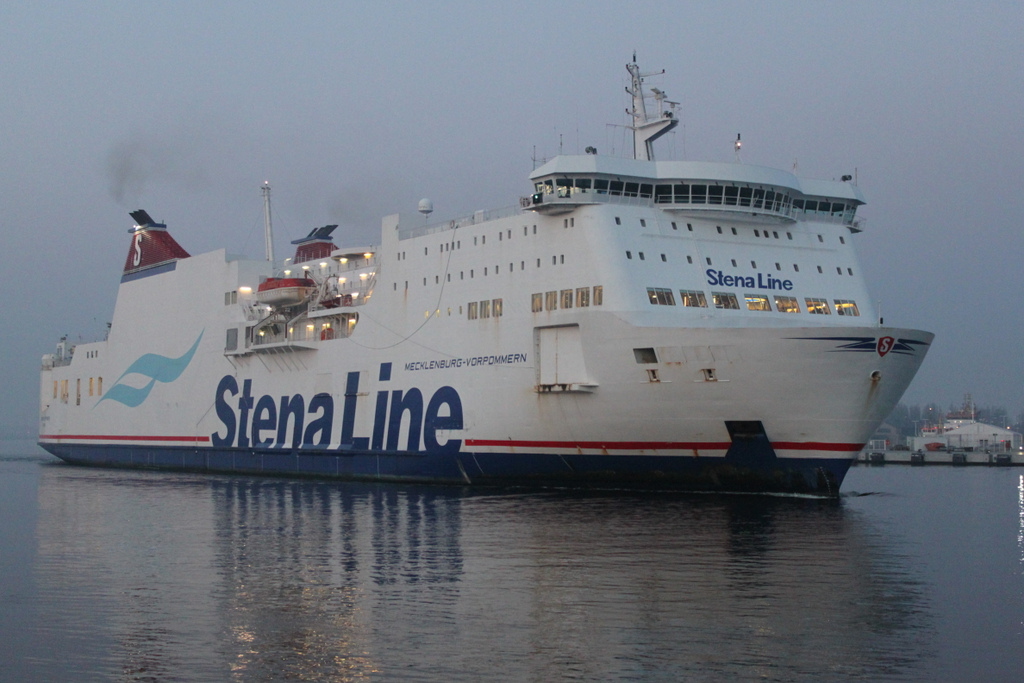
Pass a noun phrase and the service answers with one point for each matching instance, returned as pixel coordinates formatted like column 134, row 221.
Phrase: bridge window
column 551, row 301
column 582, row 297
column 566, row 298
column 598, row 295
column 536, row 302
column 471, row 310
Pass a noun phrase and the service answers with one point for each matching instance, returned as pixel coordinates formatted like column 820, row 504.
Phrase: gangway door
column 561, row 366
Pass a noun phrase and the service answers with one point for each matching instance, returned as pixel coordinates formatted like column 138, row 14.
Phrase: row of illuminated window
column 699, row 193
column 662, row 296
column 484, row 309
column 333, row 327
column 60, row 389
column 581, row 297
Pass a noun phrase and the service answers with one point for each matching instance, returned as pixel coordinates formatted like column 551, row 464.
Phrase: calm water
column 915, row 575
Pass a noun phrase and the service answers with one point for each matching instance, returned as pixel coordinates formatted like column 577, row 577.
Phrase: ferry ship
column 630, row 323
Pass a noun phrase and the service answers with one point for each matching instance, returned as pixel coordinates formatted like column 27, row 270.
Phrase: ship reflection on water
column 195, row 578
column 311, row 572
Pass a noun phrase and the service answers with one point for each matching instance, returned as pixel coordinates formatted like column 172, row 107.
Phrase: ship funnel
column 152, row 250
column 316, row 245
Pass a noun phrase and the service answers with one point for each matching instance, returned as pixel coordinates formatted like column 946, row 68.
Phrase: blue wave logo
column 157, row 368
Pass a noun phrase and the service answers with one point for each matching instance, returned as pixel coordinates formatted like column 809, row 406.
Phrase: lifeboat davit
column 278, row 291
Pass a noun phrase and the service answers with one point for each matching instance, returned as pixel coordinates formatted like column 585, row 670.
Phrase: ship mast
column 268, row 230
column 647, row 130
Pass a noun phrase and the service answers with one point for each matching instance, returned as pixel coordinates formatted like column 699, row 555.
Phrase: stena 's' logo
column 138, row 249
column 885, row 345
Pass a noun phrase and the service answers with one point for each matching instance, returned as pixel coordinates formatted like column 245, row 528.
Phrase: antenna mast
column 268, row 229
column 646, row 130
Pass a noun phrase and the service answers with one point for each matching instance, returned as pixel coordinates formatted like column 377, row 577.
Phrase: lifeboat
column 284, row 291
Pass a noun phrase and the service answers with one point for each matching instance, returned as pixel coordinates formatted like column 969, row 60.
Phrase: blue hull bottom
column 769, row 474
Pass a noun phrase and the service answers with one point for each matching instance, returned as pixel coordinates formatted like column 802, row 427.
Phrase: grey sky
column 357, row 110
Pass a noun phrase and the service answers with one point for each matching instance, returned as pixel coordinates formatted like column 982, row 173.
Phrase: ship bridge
column 568, row 182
